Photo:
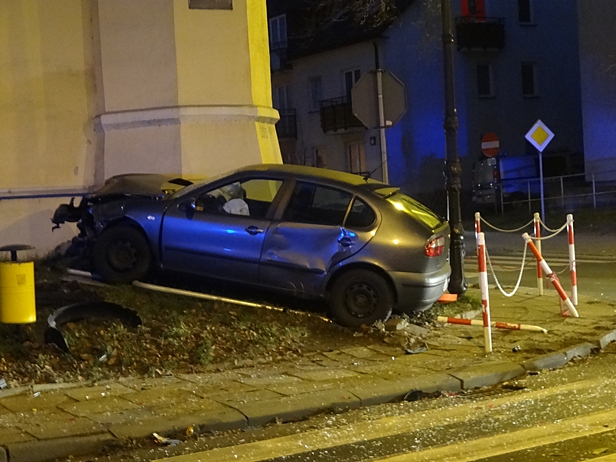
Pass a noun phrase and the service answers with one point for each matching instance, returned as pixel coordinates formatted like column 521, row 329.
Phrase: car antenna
column 368, row 175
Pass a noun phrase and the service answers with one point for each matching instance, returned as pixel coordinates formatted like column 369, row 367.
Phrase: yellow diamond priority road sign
column 539, row 135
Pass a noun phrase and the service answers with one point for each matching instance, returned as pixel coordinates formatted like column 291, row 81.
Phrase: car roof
column 303, row 171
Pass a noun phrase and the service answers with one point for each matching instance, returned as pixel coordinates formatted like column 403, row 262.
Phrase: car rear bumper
column 418, row 291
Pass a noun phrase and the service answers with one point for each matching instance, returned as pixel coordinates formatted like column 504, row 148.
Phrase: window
column 525, row 11
column 251, row 198
column 210, row 4
column 281, row 97
column 316, row 92
column 356, row 158
column 350, row 79
column 360, row 216
column 484, row 81
column 529, row 80
column 278, row 32
column 317, row 205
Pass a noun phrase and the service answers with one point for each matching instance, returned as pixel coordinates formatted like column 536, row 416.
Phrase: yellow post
column 17, row 300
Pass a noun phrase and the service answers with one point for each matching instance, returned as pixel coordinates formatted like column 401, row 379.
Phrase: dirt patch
column 179, row 334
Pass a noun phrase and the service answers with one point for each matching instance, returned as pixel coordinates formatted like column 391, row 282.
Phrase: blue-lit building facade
column 598, row 83
column 516, row 61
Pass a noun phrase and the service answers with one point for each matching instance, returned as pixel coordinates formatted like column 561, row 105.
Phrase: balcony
column 286, row 127
column 480, row 34
column 337, row 114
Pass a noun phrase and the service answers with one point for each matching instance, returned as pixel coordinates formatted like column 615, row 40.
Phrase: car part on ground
column 87, row 310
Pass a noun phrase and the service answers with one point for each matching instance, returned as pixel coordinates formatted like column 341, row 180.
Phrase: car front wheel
column 360, row 297
column 121, row 255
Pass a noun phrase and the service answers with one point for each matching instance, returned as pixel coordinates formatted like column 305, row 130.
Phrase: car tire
column 122, row 255
column 360, row 297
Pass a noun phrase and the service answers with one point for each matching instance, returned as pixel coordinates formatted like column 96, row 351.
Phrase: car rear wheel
column 121, row 255
column 360, row 297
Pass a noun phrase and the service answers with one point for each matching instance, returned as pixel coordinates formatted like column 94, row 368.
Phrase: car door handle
column 346, row 242
column 254, row 230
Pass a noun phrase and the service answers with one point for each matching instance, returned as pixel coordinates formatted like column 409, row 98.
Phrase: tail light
column 435, row 247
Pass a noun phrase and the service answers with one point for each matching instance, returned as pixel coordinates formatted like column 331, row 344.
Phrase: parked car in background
column 309, row 232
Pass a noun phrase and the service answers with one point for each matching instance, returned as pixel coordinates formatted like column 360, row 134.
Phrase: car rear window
column 416, row 209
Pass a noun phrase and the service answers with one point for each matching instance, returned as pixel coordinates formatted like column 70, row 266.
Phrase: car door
column 310, row 238
column 220, row 232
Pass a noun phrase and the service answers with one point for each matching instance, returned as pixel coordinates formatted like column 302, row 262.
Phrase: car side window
column 319, row 205
column 250, row 198
column 360, row 216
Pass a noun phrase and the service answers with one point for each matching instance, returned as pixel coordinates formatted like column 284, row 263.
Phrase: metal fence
column 570, row 192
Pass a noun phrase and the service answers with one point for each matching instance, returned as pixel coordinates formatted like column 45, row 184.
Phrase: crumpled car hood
column 152, row 185
column 141, row 184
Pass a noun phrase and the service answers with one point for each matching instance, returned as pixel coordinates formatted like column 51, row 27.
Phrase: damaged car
column 309, row 232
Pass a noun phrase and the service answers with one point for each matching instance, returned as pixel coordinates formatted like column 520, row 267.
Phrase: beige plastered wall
column 95, row 88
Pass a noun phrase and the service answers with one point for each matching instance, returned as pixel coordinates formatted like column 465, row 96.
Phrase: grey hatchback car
column 309, row 232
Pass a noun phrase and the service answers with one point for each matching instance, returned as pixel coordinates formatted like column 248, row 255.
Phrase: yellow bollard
column 17, row 299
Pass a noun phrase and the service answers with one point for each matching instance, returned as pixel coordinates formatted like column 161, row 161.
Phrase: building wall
column 598, row 76
column 330, row 66
column 46, row 94
column 95, row 88
column 550, row 43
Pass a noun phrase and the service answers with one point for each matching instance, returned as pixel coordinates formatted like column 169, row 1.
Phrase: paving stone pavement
column 45, row 422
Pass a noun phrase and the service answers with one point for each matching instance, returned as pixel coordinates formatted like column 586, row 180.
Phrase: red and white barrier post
column 552, row 277
column 485, row 296
column 537, row 225
column 477, row 223
column 572, row 265
column 497, row 325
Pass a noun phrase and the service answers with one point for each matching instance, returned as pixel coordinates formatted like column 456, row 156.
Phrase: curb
column 46, row 450
column 293, row 408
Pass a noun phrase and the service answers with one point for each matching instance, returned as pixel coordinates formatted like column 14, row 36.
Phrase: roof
column 315, row 172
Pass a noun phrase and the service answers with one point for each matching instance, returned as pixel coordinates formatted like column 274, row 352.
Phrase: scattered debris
column 2, row 384
column 418, row 350
column 513, row 386
column 516, row 348
column 414, row 395
column 166, row 441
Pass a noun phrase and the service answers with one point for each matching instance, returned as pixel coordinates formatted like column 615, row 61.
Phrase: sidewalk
column 46, row 422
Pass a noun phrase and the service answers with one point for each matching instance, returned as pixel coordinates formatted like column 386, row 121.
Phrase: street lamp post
column 457, row 284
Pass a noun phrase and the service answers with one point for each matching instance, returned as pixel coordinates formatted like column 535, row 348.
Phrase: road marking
column 374, row 429
column 496, row 445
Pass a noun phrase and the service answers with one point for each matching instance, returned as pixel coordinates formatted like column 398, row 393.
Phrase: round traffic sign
column 490, row 145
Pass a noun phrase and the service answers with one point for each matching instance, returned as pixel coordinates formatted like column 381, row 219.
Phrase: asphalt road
column 566, row 415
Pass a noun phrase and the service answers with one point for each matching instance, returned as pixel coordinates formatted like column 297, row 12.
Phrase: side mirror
column 188, row 205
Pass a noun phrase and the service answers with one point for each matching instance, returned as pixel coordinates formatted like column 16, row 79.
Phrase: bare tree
column 319, row 15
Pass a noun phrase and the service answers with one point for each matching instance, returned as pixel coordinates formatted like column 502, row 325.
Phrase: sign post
column 540, row 136
column 378, row 100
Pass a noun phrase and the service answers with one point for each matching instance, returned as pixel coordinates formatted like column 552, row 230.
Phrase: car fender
column 144, row 215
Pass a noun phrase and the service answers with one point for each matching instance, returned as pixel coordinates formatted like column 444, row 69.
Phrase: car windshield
column 416, row 209
column 197, row 185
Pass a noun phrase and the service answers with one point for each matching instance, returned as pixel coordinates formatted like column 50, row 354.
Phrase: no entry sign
column 490, row 145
